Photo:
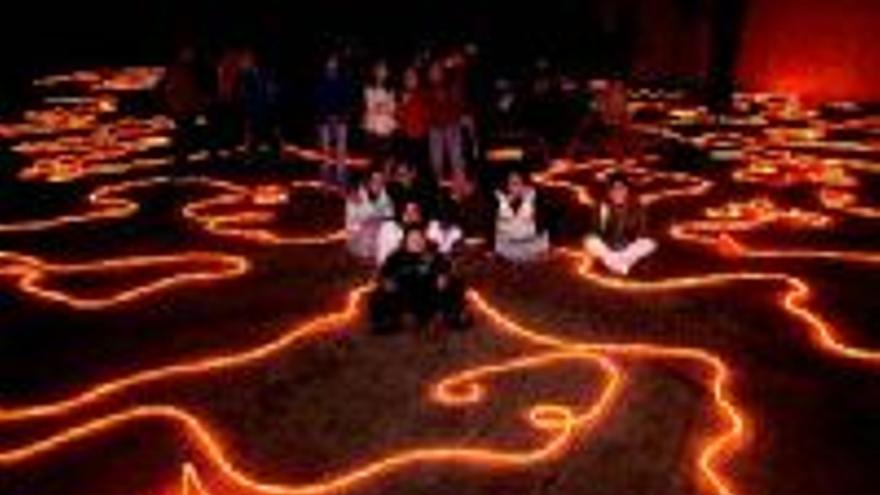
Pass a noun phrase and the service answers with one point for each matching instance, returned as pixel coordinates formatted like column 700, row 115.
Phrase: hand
column 443, row 282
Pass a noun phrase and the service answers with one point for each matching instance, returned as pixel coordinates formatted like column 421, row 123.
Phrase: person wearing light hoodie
column 520, row 235
column 445, row 112
column 380, row 112
column 367, row 208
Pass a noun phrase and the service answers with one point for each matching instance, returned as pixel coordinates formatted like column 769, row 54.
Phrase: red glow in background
column 819, row 49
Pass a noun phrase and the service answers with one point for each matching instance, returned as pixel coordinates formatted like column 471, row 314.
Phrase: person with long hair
column 380, row 112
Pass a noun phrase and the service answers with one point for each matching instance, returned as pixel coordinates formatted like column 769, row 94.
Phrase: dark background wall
column 590, row 31
column 820, row 48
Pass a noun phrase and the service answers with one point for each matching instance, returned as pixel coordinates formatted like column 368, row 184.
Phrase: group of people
column 419, row 204
column 413, row 230
column 236, row 95
column 427, row 119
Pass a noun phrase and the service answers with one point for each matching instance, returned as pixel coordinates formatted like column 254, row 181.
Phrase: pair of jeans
column 333, row 134
column 445, row 144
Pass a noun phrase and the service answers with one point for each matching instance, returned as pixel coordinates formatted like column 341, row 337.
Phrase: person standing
column 261, row 96
column 470, row 84
column 614, row 113
column 185, row 99
column 334, row 101
column 444, row 123
column 227, row 112
column 416, row 280
column 380, row 113
column 520, row 235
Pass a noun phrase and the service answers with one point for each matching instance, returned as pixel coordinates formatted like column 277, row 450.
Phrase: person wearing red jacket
column 413, row 123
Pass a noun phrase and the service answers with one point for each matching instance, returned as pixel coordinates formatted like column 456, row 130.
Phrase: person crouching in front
column 417, row 281
column 619, row 240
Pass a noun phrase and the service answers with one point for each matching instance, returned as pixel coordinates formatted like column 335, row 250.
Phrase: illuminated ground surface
column 174, row 331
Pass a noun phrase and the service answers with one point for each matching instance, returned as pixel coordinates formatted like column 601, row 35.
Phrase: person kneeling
column 417, row 281
column 619, row 241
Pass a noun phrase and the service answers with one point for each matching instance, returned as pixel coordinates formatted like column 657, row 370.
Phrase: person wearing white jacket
column 444, row 235
column 366, row 209
column 518, row 233
column 380, row 111
column 391, row 232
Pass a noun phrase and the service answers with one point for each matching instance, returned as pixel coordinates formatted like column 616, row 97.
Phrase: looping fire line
column 776, row 158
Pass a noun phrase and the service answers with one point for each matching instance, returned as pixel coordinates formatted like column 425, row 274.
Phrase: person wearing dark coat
column 335, row 102
column 417, row 281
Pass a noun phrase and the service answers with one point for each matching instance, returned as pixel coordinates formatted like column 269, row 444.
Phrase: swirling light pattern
column 233, row 211
column 772, row 144
column 32, row 275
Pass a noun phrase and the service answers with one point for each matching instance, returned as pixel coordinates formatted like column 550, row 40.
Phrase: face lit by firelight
column 618, row 194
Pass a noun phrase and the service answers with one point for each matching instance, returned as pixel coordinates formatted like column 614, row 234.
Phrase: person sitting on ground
column 520, row 234
column 445, row 233
column 366, row 209
column 417, row 281
column 408, row 185
column 412, row 114
column 391, row 233
column 261, row 95
column 619, row 240
column 466, row 207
